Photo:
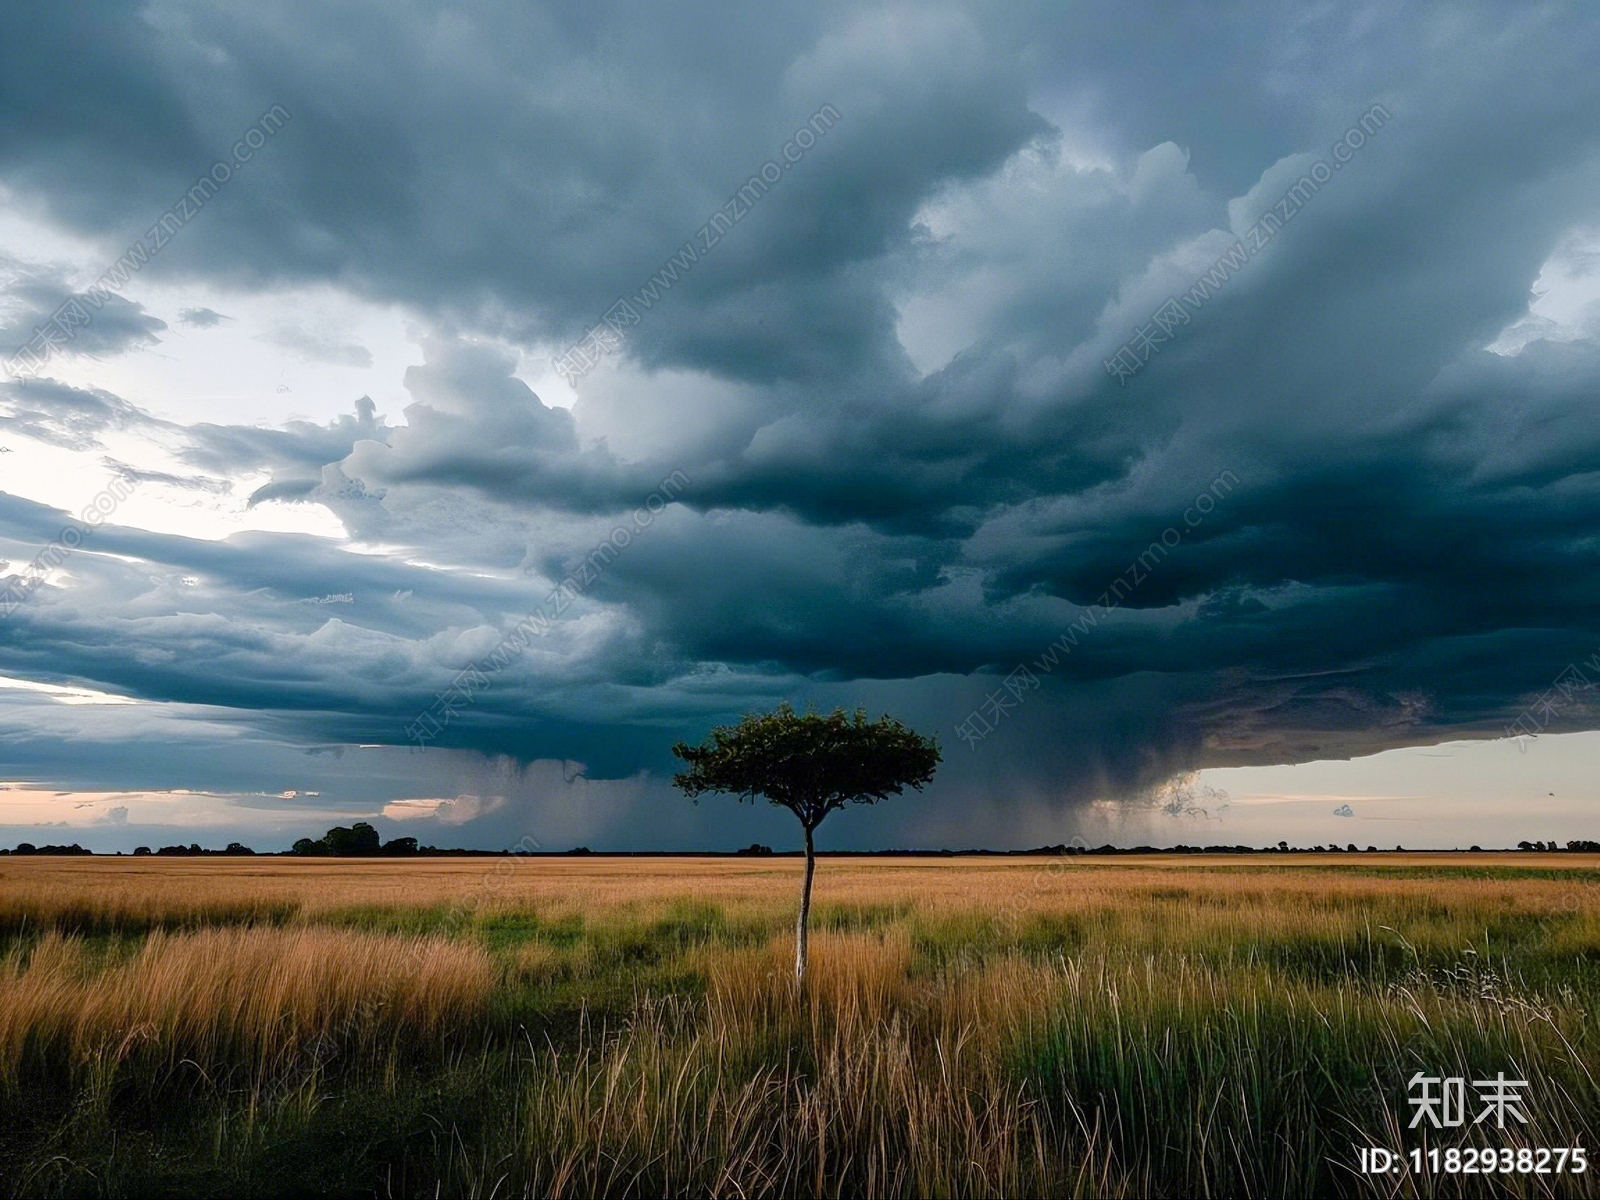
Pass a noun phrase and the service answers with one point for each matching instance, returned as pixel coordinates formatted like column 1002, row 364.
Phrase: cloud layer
column 907, row 469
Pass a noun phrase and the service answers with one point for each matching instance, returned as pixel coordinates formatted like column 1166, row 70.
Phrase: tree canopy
column 808, row 763
column 360, row 839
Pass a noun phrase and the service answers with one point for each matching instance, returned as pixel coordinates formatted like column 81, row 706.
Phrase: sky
column 429, row 413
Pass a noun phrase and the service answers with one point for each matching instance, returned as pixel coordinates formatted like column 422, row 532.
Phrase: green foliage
column 807, row 763
column 359, row 838
column 355, row 840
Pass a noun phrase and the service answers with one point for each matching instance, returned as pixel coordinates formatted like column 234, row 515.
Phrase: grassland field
column 1151, row 1026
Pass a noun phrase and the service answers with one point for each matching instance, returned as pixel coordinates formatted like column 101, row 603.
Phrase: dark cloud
column 905, row 468
column 69, row 417
column 34, row 296
column 196, row 483
column 378, row 178
column 201, row 318
column 295, row 454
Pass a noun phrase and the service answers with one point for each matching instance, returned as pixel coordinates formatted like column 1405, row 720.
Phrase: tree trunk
column 805, row 913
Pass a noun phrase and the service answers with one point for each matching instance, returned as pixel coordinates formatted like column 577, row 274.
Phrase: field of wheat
column 974, row 1026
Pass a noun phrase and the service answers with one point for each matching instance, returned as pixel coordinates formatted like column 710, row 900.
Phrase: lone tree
column 810, row 765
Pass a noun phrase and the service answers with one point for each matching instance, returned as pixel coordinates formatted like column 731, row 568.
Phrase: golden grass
column 1086, row 1077
column 1004, row 1026
column 772, row 1091
column 108, row 893
column 259, row 996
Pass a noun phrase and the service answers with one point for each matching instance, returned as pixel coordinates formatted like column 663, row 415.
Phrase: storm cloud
column 1348, row 502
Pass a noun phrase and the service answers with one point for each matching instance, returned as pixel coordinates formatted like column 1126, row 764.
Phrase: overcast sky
column 1239, row 379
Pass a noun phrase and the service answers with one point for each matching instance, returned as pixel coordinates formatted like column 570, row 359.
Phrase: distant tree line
column 355, row 841
column 362, row 840
column 30, row 848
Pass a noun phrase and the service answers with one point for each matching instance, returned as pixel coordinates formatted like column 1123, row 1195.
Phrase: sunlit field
column 970, row 1026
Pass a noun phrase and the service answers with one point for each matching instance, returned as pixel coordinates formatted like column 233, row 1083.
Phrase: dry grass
column 865, row 1085
column 1162, row 1026
column 135, row 895
column 262, row 997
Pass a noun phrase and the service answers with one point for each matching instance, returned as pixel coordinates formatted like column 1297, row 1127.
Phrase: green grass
column 1184, row 1041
